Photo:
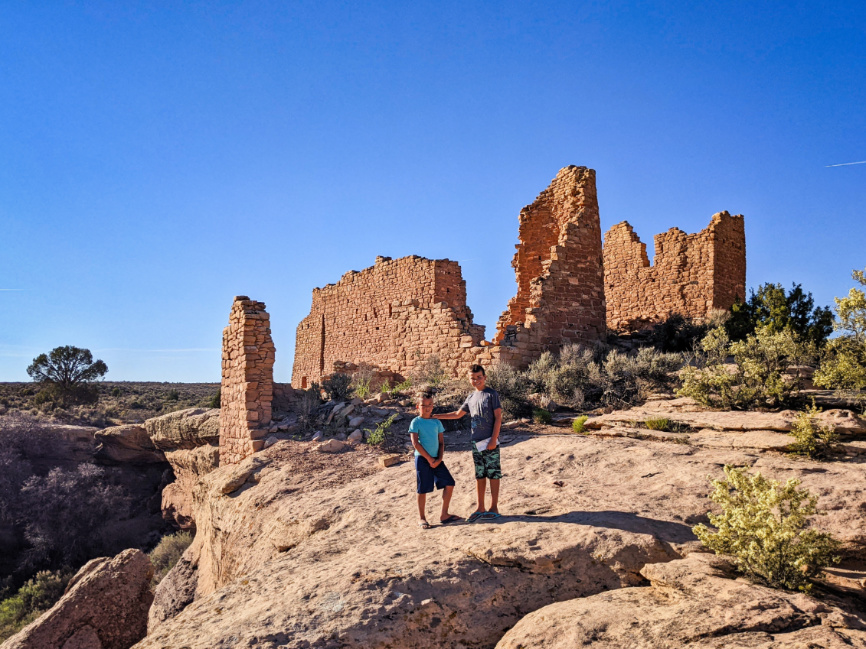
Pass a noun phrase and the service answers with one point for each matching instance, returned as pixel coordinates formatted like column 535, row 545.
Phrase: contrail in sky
column 845, row 164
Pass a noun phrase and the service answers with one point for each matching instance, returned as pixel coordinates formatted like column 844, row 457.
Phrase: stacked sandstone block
column 691, row 275
column 247, row 386
column 392, row 315
column 560, row 280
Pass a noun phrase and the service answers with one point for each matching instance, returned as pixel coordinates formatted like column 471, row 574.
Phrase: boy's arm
column 457, row 414
column 421, row 450
column 497, row 424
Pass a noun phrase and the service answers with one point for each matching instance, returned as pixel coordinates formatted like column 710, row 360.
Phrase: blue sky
column 162, row 157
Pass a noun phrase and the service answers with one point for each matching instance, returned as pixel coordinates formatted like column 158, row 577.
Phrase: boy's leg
column 480, row 490
column 446, row 500
column 422, row 507
column 493, row 472
column 494, row 496
column 480, row 480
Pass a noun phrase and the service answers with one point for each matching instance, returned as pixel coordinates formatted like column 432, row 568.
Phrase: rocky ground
column 296, row 547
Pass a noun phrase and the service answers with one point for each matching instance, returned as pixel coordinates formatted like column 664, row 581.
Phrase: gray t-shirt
column 480, row 405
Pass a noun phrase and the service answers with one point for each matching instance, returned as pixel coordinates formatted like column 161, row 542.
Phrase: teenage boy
column 486, row 411
column 427, row 436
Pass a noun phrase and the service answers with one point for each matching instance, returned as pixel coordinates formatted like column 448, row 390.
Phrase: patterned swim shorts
column 487, row 464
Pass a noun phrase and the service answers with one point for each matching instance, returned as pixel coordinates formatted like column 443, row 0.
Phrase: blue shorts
column 428, row 476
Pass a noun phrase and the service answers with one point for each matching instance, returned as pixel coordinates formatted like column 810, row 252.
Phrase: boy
column 429, row 442
column 486, row 411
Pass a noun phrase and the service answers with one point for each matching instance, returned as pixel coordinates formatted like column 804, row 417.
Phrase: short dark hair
column 477, row 368
column 426, row 394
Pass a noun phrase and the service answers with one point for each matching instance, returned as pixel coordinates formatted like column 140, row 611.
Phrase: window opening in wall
column 304, row 383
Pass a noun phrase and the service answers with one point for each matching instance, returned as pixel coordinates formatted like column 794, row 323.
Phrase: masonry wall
column 392, row 315
column 558, row 264
column 246, row 390
column 691, row 274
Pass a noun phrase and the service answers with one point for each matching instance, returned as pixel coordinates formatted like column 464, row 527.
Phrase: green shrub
column 758, row 377
column 338, row 387
column 377, row 436
column 33, row 598
column 361, row 388
column 680, row 334
column 843, row 365
column 167, row 553
column 173, row 395
column 216, row 400
column 659, row 423
column 763, row 526
column 578, row 424
column 774, row 309
column 541, row 416
column 812, row 439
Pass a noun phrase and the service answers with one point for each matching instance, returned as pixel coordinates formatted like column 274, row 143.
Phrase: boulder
column 185, row 429
column 105, row 607
column 129, row 443
column 692, row 602
column 354, row 422
column 356, row 437
column 173, row 593
column 331, row 446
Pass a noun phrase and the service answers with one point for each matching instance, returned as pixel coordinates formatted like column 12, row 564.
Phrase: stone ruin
column 398, row 313
column 691, row 274
column 247, row 386
column 392, row 315
column 558, row 264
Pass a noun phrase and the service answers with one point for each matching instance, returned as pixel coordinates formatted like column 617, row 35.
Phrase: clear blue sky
column 162, row 157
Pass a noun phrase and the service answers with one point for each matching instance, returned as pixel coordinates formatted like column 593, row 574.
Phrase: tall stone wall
column 560, row 280
column 393, row 315
column 247, row 386
column 691, row 274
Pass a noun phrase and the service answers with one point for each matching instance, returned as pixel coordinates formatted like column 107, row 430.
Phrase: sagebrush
column 585, row 377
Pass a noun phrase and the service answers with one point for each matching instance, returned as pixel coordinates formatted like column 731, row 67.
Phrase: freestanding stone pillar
column 247, row 387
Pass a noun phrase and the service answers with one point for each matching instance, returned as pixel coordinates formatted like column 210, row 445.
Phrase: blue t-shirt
column 480, row 405
column 428, row 434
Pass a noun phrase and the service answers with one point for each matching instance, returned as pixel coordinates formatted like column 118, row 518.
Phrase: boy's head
column 477, row 377
column 425, row 405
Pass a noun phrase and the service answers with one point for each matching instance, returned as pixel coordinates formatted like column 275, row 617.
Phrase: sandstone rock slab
column 308, row 555
column 690, row 603
column 129, row 443
column 184, row 429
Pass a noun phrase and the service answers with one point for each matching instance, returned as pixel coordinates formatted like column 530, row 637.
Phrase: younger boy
column 429, row 442
column 486, row 411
